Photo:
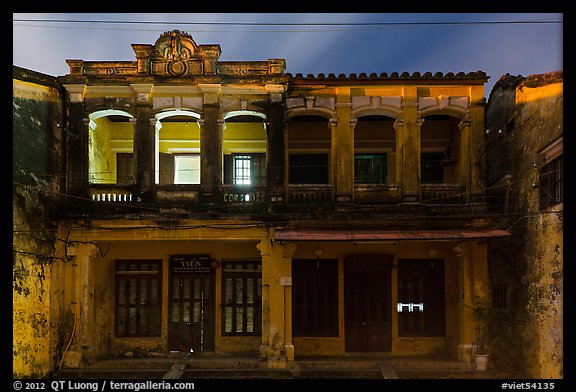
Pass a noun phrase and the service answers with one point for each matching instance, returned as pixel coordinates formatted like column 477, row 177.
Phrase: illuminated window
column 421, row 300
column 242, row 169
column 187, row 169
column 242, row 298
column 245, row 169
column 138, row 298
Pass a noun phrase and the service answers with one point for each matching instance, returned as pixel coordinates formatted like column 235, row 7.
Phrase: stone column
column 211, row 148
column 332, row 172
column 473, row 288
column 144, row 143
column 477, row 145
column 344, row 139
column 77, row 142
column 408, row 147
column 464, row 162
column 275, row 152
column 83, row 306
column 276, row 347
column 465, row 327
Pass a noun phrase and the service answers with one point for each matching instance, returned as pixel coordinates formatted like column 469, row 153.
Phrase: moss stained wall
column 524, row 115
column 37, row 161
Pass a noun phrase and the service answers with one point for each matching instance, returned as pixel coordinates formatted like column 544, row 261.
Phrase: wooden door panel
column 367, row 303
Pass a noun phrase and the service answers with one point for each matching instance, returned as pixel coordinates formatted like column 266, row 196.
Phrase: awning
column 384, row 235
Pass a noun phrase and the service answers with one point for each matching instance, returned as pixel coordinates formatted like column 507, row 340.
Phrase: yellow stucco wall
column 229, row 244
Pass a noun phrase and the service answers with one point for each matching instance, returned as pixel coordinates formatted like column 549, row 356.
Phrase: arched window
column 110, row 148
column 177, row 148
column 244, row 148
column 374, row 150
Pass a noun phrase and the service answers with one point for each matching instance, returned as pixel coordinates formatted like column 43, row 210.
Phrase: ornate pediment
column 174, row 45
column 176, row 54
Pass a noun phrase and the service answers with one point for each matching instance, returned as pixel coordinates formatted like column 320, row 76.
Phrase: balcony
column 244, row 194
column 376, row 193
column 111, row 193
column 443, row 193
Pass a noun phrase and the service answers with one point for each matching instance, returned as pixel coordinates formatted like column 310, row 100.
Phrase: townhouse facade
column 222, row 207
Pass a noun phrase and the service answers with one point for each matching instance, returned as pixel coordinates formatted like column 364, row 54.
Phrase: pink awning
column 384, row 235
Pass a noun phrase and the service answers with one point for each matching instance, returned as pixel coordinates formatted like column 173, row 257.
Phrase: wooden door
column 367, row 307
column 192, row 313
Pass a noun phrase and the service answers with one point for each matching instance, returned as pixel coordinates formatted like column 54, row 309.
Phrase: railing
column 112, row 193
column 243, row 194
column 376, row 193
column 296, row 193
column 443, row 193
column 315, row 193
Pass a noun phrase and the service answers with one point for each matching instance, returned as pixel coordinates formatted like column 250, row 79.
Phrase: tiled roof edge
column 393, row 76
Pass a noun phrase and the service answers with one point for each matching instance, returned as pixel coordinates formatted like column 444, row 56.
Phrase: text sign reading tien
column 190, row 264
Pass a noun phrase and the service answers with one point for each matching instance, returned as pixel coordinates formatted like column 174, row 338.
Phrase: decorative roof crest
column 175, row 45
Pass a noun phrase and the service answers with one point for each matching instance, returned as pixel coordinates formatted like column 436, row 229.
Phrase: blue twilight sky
column 311, row 43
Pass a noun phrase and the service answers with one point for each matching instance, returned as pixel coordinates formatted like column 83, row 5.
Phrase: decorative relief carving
column 377, row 102
column 175, row 45
column 176, row 68
column 443, row 102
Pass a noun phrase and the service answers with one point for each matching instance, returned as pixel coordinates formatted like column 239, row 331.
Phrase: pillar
column 344, row 140
column 83, row 347
column 276, row 347
column 477, row 144
column 408, row 147
column 276, row 151
column 473, row 289
column 144, row 143
column 211, row 147
column 77, row 142
column 465, row 327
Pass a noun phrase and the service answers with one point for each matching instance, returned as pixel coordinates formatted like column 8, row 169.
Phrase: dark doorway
column 367, row 308
column 192, row 312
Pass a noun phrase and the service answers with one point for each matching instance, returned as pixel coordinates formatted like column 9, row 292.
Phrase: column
column 275, row 152
column 211, row 147
column 144, row 143
column 276, row 347
column 344, row 140
column 83, row 304
column 466, row 322
column 477, row 145
column 408, row 147
column 77, row 142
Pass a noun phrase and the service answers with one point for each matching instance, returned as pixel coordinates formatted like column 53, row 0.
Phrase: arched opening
column 244, row 149
column 439, row 148
column 309, row 150
column 440, row 167
column 177, row 148
column 375, row 150
column 110, row 148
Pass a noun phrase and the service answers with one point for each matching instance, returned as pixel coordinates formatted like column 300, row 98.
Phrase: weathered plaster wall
column 524, row 115
column 37, row 161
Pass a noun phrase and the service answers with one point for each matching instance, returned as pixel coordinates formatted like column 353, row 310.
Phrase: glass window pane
column 242, row 169
column 239, row 291
column 239, row 320
column 187, row 169
column 228, row 320
column 249, row 291
column 144, row 292
column 250, row 319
